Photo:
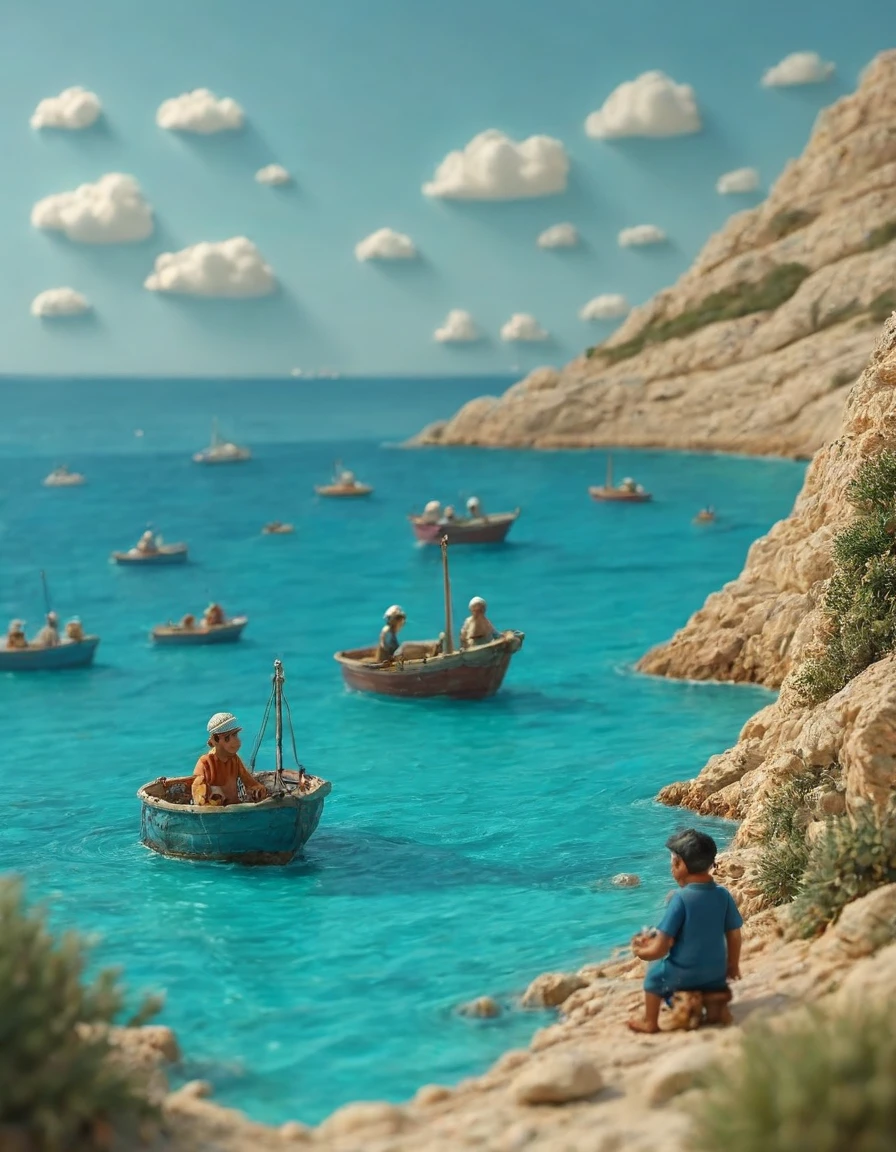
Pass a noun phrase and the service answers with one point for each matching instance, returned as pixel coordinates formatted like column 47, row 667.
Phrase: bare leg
column 650, row 1022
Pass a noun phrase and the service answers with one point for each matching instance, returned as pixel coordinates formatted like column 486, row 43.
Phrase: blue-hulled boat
column 269, row 831
column 72, row 654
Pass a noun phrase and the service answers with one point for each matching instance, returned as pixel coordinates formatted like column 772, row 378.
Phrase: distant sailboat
column 628, row 492
column 62, row 478
column 221, row 451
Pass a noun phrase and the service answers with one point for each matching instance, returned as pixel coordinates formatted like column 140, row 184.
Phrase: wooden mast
column 278, row 720
column 449, row 628
column 43, row 580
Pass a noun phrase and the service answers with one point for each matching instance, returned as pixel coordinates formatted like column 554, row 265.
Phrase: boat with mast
column 74, row 650
column 267, row 831
column 221, row 451
column 628, row 492
column 429, row 668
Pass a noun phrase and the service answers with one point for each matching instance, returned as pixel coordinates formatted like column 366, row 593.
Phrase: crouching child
column 696, row 946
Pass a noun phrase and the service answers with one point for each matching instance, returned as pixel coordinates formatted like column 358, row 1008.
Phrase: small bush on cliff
column 57, row 1083
column 789, row 220
column 860, row 601
column 825, row 1083
column 784, row 853
column 878, row 237
column 729, row 303
column 855, row 855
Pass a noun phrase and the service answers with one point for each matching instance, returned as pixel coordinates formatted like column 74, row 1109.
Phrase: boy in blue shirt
column 696, row 946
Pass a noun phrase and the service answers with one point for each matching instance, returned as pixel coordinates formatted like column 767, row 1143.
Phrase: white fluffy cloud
column 610, row 306
column 522, row 326
column 639, row 235
column 559, row 236
column 385, row 244
column 111, row 211
column 798, row 68
column 459, row 328
column 272, row 174
column 200, row 111
column 740, row 180
column 232, row 268
column 59, row 302
column 651, row 105
column 72, row 108
column 494, row 167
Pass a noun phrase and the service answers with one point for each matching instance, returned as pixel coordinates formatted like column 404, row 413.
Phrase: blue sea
column 466, row 847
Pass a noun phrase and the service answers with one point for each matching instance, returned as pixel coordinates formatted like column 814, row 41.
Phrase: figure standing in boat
column 48, row 636
column 219, row 773
column 147, row 544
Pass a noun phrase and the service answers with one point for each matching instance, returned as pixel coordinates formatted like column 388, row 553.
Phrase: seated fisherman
column 389, row 643
column 477, row 628
column 474, row 509
column 432, row 512
column 147, row 543
column 48, row 637
column 74, row 631
column 347, row 479
column 218, row 772
column 447, row 516
column 214, row 615
column 628, row 485
column 15, row 635
column 188, row 622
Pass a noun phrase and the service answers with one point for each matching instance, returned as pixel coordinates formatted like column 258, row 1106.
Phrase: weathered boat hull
column 617, row 496
column 472, row 674
column 167, row 554
column 270, row 832
column 227, row 633
column 488, row 530
column 342, row 490
column 73, row 655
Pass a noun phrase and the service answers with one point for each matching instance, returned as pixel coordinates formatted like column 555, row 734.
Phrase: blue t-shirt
column 697, row 917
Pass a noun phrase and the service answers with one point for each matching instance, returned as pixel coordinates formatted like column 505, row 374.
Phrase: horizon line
column 101, row 376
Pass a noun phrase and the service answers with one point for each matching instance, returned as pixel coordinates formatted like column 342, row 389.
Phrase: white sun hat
column 393, row 611
column 222, row 722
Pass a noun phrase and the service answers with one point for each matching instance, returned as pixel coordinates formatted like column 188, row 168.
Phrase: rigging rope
column 292, row 736
column 261, row 731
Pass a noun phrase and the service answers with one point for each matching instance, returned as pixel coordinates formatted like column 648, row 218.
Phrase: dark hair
column 696, row 849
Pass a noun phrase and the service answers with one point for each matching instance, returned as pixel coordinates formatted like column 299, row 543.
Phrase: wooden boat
column 269, row 831
column 275, row 528
column 490, row 529
column 67, row 654
column 470, row 674
column 164, row 554
column 705, row 516
column 221, row 451
column 623, row 494
column 62, row 478
column 343, row 484
column 227, row 633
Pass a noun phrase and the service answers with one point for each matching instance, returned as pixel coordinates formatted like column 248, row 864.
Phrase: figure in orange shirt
column 218, row 772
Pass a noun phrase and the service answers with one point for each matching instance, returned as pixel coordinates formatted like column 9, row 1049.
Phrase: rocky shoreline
column 755, row 348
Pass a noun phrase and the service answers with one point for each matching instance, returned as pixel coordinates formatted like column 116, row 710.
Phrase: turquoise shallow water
column 465, row 847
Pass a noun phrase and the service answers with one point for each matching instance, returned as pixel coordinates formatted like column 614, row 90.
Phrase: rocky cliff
column 762, row 626
column 755, row 347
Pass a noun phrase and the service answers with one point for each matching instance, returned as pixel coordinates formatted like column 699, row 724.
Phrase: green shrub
column 825, row 1083
column 729, row 303
column 881, row 236
column 860, row 600
column 855, row 855
column 784, row 851
column 56, row 1081
column 789, row 220
column 881, row 306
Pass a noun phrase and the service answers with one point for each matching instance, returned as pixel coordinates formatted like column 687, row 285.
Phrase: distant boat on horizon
column 221, row 451
column 62, row 478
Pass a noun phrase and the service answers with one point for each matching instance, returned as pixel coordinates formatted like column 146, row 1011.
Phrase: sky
column 361, row 100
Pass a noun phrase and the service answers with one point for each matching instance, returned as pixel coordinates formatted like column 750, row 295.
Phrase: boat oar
column 449, row 630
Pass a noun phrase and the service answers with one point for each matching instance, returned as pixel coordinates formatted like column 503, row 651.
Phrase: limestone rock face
column 771, row 382
column 557, row 1078
column 752, row 630
column 551, row 989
